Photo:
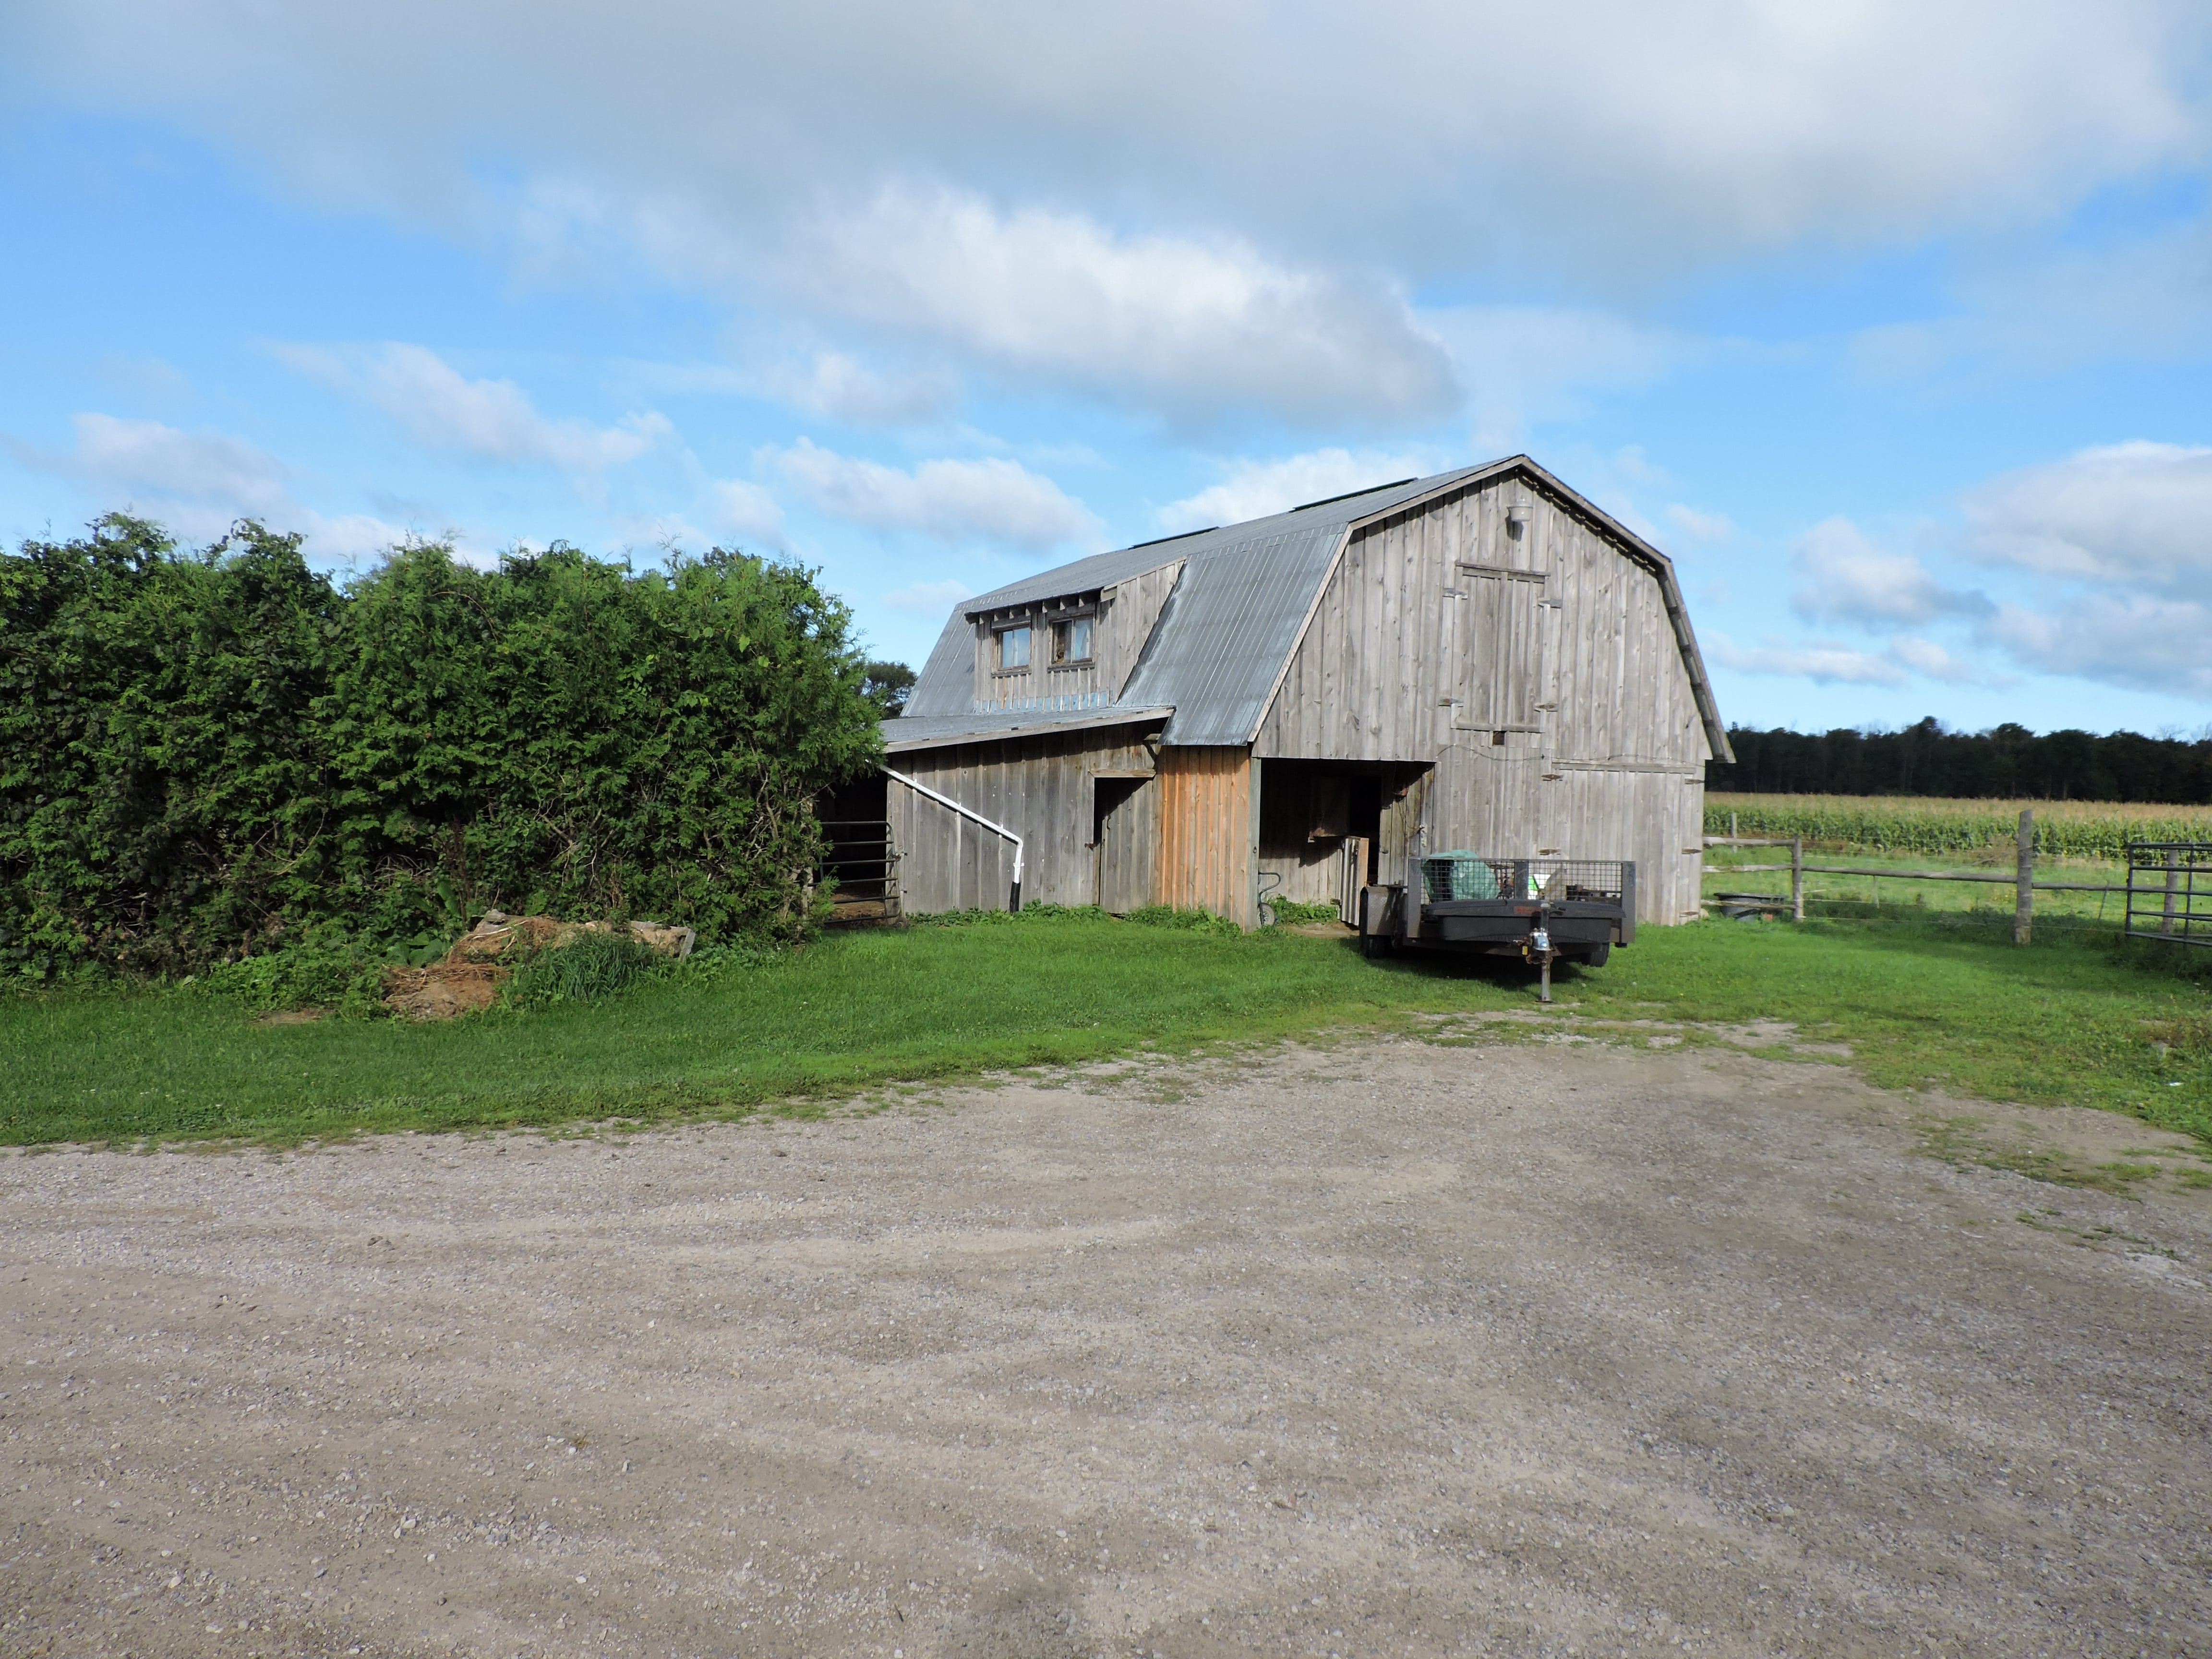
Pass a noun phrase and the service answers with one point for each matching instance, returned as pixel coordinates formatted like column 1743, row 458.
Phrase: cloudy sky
column 1890, row 319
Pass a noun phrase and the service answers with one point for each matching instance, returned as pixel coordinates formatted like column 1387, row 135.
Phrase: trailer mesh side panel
column 1450, row 875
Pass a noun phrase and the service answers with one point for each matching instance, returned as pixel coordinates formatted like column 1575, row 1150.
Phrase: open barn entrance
column 1327, row 828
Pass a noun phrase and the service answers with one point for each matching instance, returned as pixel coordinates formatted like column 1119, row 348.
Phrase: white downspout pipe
column 970, row 814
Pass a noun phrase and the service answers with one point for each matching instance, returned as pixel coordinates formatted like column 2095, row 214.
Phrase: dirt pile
column 470, row 975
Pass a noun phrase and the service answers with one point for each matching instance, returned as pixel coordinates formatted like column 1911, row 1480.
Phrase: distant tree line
column 2006, row 763
column 206, row 754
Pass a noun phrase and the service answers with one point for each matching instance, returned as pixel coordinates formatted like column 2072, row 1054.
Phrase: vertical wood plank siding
column 1207, row 831
column 1041, row 788
column 1385, row 671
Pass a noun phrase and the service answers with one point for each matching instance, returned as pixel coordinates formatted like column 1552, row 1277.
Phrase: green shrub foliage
column 211, row 753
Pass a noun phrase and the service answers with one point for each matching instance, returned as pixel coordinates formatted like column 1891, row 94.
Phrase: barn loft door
column 1503, row 622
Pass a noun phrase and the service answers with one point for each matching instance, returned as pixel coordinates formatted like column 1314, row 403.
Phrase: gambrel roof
column 1223, row 642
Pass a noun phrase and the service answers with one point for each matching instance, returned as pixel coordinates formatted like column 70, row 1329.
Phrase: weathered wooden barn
column 1291, row 708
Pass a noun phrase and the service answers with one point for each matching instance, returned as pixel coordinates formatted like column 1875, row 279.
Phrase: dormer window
column 1071, row 642
column 1013, row 648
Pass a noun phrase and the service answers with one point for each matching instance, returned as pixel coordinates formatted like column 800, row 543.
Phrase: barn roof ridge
column 1246, row 596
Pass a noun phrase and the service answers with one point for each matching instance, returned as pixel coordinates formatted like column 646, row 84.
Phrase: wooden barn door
column 1502, row 621
column 1125, row 833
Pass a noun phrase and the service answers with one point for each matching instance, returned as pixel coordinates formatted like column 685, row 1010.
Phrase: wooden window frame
column 998, row 668
column 1055, row 624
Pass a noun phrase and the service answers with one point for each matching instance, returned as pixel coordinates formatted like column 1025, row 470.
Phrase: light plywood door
column 1500, row 645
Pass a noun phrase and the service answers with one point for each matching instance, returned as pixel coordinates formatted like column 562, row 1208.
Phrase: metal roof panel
column 931, row 732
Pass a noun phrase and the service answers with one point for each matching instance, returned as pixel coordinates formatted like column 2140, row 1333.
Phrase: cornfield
column 1907, row 823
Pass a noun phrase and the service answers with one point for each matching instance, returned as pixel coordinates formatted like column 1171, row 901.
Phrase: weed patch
column 589, row 967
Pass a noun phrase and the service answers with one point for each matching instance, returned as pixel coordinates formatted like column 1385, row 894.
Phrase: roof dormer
column 1070, row 650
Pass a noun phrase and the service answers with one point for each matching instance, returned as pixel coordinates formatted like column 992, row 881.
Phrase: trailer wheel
column 1595, row 956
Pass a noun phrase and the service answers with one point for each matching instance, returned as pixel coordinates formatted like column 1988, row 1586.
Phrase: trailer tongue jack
column 1538, row 950
column 1541, row 910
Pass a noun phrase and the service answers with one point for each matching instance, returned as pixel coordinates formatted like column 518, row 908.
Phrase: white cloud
column 2134, row 514
column 1845, row 576
column 927, row 598
column 2143, row 641
column 1191, row 325
column 745, row 511
column 1254, row 490
column 490, row 420
column 1827, row 662
column 1928, row 657
column 1823, row 663
column 1041, row 192
column 1655, row 135
column 837, row 385
column 1698, row 526
column 2115, row 541
column 951, row 500
column 198, row 484
column 202, row 468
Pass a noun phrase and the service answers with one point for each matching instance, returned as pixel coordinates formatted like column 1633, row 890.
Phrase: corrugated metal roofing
column 1228, row 628
column 923, row 731
column 1219, row 644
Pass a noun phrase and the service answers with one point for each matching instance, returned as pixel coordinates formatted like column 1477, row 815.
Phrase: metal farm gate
column 2170, row 891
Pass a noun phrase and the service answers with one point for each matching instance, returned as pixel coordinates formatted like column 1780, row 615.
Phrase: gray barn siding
column 1040, row 788
column 1125, row 612
column 1131, row 609
column 1615, row 769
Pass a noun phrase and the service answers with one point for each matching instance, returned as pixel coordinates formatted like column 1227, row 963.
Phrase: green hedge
column 206, row 754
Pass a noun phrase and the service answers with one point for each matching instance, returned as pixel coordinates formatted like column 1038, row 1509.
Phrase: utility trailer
column 1541, row 910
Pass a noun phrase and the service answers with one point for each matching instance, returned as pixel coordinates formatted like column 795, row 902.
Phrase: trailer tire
column 1595, row 956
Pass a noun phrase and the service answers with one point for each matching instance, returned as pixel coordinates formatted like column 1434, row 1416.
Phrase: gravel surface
column 1378, row 1349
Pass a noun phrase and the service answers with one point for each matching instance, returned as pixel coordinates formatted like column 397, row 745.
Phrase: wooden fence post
column 2023, row 905
column 1797, row 878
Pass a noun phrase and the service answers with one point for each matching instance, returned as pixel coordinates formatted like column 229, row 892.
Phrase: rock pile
column 472, row 972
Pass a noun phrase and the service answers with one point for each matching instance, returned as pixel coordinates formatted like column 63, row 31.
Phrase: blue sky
column 1891, row 322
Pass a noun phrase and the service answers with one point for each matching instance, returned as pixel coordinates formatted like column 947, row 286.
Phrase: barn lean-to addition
column 1297, row 706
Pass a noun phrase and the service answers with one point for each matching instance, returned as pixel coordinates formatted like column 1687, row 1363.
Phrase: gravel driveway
column 1380, row 1349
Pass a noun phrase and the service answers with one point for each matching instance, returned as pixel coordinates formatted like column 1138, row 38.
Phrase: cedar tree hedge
column 214, row 753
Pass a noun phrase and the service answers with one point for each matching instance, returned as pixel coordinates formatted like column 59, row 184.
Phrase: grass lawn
column 1925, row 1000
